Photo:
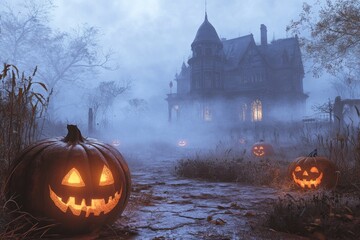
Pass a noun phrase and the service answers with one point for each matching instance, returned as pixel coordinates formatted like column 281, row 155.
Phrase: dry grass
column 17, row 224
column 22, row 106
column 228, row 166
column 318, row 216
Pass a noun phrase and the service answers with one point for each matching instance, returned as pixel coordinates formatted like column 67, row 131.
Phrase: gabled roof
column 274, row 53
column 235, row 49
column 282, row 50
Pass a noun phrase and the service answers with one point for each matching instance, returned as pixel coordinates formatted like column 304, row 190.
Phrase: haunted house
column 239, row 81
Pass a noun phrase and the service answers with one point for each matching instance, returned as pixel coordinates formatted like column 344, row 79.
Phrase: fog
column 151, row 39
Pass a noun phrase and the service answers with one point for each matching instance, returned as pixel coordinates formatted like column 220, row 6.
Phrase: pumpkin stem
column 74, row 134
column 313, row 153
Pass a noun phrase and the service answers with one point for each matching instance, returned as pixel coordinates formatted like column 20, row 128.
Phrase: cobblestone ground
column 175, row 208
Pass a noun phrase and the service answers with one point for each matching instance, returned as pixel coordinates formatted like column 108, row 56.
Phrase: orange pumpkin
column 80, row 183
column 262, row 149
column 313, row 172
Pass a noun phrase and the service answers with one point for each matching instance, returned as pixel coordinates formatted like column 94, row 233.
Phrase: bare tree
column 327, row 107
column 347, row 84
column 27, row 40
column 137, row 106
column 335, row 37
column 104, row 95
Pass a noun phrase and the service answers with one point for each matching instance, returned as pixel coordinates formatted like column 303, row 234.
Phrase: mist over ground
column 150, row 40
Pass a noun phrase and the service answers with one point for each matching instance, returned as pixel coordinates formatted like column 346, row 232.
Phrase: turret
column 206, row 63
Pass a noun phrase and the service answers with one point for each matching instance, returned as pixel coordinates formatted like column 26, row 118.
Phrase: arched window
column 243, row 111
column 256, row 111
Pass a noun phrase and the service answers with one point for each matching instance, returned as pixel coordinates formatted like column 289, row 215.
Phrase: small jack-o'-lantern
column 242, row 140
column 80, row 183
column 115, row 143
column 313, row 172
column 182, row 143
column 262, row 149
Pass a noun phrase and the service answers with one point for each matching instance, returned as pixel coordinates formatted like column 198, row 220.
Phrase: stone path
column 176, row 208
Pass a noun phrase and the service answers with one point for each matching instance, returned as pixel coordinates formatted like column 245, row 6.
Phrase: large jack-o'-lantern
column 262, row 149
column 80, row 183
column 313, row 172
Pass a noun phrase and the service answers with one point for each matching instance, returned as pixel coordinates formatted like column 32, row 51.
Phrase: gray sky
column 153, row 37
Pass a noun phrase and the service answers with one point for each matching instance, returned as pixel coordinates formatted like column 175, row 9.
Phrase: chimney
column 263, row 35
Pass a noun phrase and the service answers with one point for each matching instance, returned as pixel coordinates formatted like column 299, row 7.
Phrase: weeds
column 320, row 216
column 227, row 168
column 22, row 106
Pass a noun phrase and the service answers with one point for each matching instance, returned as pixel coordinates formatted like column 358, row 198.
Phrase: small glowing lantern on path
column 79, row 182
column 182, row 143
column 115, row 143
column 262, row 149
column 313, row 172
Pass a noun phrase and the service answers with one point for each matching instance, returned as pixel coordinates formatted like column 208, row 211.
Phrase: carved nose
column 305, row 173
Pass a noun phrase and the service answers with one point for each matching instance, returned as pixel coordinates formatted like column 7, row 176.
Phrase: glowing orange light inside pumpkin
column 259, row 151
column 98, row 206
column 73, row 179
column 305, row 181
column 106, row 177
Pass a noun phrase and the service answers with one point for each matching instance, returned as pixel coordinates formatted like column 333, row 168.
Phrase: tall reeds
column 23, row 104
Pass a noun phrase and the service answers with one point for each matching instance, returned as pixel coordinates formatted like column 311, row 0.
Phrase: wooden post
column 338, row 115
column 90, row 121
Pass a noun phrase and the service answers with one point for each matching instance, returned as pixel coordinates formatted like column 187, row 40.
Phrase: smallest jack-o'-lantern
column 242, row 140
column 115, row 143
column 182, row 143
column 313, row 172
column 262, row 149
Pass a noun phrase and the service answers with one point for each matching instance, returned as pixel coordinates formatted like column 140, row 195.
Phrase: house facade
column 237, row 81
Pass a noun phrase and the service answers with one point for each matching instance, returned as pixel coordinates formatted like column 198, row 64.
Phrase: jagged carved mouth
column 97, row 206
column 308, row 183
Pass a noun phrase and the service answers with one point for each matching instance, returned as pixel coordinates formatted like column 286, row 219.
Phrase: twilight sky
column 152, row 37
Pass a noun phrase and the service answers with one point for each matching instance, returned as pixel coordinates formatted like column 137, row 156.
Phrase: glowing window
column 256, row 109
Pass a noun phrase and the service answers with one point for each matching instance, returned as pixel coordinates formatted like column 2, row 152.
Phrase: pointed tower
column 207, row 62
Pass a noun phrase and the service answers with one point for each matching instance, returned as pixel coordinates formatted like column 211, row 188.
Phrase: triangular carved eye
column 106, row 177
column 297, row 169
column 73, row 179
column 314, row 170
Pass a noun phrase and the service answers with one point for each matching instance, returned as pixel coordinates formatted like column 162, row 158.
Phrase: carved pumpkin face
column 310, row 178
column 182, row 143
column 80, row 183
column 242, row 141
column 73, row 179
column 259, row 151
column 313, row 172
column 262, row 149
column 115, row 143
